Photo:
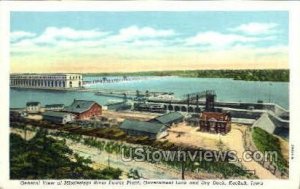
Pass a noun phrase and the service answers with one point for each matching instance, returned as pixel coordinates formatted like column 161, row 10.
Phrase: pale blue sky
column 185, row 23
column 148, row 35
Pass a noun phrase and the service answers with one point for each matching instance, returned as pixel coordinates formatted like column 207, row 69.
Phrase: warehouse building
column 142, row 128
column 54, row 107
column 84, row 109
column 58, row 117
column 169, row 118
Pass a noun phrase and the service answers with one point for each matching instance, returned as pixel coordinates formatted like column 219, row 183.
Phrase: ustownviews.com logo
column 140, row 154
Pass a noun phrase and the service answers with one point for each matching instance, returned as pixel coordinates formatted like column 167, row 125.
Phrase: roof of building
column 33, row 103
column 142, row 126
column 55, row 114
column 79, row 106
column 54, row 105
column 218, row 116
column 169, row 117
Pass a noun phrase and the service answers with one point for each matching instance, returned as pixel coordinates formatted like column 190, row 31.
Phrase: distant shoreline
column 274, row 75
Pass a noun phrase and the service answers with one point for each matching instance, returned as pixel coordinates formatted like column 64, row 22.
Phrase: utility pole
column 125, row 97
column 108, row 160
column 182, row 165
column 182, row 169
column 188, row 102
column 25, row 132
column 270, row 85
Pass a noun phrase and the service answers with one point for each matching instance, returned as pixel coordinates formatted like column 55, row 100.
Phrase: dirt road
column 234, row 141
column 189, row 136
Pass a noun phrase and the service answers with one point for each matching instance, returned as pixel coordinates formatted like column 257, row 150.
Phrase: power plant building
column 46, row 81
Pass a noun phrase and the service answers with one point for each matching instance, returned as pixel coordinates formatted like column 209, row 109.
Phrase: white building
column 33, row 107
column 46, row 81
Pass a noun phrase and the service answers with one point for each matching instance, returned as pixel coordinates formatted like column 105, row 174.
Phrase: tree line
column 277, row 75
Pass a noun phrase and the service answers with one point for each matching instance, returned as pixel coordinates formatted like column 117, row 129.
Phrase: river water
column 226, row 90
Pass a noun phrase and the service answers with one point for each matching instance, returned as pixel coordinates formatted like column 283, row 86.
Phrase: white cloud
column 256, row 28
column 17, row 35
column 67, row 37
column 216, row 39
column 55, row 36
column 132, row 39
column 147, row 43
column 135, row 32
column 52, row 35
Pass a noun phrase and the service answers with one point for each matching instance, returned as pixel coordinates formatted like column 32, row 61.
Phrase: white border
column 294, row 60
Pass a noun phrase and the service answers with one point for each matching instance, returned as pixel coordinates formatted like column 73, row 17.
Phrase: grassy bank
column 267, row 142
column 281, row 75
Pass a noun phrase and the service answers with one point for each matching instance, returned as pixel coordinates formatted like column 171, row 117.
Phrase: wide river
column 226, row 90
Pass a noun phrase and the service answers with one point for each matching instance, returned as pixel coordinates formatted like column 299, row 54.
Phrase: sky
column 90, row 42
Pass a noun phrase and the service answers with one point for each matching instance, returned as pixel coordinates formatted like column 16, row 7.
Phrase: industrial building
column 149, row 107
column 154, row 128
column 215, row 122
column 58, row 117
column 46, row 81
column 143, row 128
column 119, row 106
column 212, row 120
column 33, row 107
column 54, row 107
column 169, row 118
column 84, row 109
